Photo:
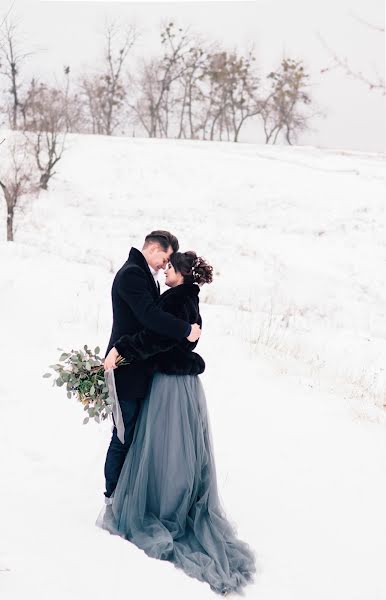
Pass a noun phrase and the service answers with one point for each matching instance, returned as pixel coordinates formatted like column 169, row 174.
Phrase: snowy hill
column 297, row 239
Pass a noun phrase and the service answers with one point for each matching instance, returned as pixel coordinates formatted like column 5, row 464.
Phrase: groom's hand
column 110, row 359
column 195, row 333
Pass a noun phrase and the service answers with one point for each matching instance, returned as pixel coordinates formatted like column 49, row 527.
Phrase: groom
column 135, row 292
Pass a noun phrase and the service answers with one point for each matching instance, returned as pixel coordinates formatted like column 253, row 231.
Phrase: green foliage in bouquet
column 82, row 373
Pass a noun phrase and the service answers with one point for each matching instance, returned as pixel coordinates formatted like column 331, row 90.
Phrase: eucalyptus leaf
column 82, row 374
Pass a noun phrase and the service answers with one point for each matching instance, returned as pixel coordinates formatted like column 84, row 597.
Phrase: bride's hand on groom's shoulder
column 111, row 359
column 194, row 333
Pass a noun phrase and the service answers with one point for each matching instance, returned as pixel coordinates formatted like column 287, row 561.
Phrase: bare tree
column 44, row 119
column 242, row 85
column 147, row 88
column 229, row 94
column 195, row 90
column 105, row 92
column 157, row 84
column 281, row 111
column 12, row 58
column 217, row 98
column 74, row 110
column 191, row 86
column 15, row 180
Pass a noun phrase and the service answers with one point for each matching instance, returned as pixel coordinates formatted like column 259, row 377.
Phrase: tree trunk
column 10, row 211
column 277, row 134
column 213, row 127
column 14, row 95
column 10, row 214
column 192, row 135
column 44, row 179
column 182, row 114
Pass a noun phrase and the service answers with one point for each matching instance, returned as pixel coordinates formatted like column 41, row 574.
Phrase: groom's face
column 158, row 257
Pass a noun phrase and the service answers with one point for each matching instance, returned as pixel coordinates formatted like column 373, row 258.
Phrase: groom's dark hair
column 163, row 238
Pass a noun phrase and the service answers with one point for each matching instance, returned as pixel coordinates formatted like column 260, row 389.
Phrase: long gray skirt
column 166, row 500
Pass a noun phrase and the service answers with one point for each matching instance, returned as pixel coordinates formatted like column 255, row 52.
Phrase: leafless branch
column 364, row 22
column 344, row 64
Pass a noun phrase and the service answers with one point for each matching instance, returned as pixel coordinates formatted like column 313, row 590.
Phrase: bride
column 166, row 501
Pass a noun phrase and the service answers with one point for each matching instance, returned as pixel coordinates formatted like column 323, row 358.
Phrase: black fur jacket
column 165, row 354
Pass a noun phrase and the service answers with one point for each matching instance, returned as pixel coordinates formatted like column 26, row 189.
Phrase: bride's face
column 172, row 278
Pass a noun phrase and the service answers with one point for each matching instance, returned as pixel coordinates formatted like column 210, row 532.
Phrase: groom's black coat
column 168, row 356
column 134, row 298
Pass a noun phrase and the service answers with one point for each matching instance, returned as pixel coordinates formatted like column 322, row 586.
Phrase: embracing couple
column 161, row 488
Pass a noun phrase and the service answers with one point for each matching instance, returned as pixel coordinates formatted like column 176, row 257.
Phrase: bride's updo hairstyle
column 193, row 268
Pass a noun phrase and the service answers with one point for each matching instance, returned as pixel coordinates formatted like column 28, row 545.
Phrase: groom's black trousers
column 117, row 451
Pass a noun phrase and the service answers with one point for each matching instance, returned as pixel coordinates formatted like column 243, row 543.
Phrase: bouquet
column 82, row 373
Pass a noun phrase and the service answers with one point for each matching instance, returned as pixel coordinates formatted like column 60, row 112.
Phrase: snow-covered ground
column 294, row 341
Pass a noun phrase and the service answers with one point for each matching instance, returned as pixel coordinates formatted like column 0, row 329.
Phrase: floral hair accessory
column 195, row 265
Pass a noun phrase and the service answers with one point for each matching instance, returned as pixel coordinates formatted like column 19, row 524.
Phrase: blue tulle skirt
column 166, row 501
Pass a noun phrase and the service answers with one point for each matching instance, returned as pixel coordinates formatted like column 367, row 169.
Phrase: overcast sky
column 70, row 33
